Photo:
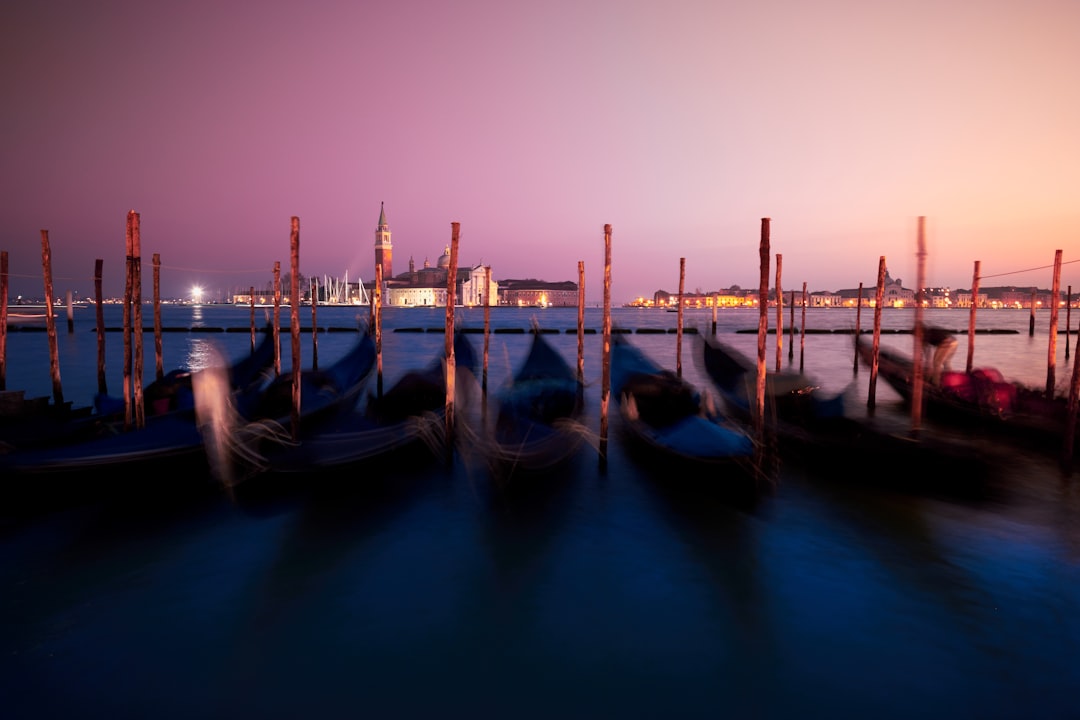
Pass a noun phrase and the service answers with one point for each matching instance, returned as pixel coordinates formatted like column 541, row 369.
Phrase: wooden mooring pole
column 314, row 290
column 451, row 361
column 917, row 352
column 802, row 329
column 294, row 320
column 99, row 318
column 1070, row 417
column 277, row 318
column 487, row 328
column 679, row 318
column 128, row 410
column 377, row 299
column 858, row 322
column 971, row 316
column 779, row 312
column 605, row 360
column 50, row 320
column 1051, row 357
column 70, row 312
column 791, row 329
column 137, row 321
column 159, row 362
column 763, row 328
column 581, row 323
column 1031, row 321
column 252, row 291
column 1068, row 319
column 879, row 298
column 3, row 318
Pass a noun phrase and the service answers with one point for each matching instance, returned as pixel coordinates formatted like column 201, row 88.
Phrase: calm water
column 631, row 592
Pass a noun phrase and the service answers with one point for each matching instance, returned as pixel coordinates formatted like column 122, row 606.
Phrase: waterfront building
column 894, row 294
column 733, row 296
column 962, row 299
column 538, row 293
column 427, row 286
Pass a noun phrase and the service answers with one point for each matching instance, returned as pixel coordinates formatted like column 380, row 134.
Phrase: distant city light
column 196, row 294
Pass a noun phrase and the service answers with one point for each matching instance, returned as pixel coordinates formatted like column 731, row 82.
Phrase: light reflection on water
column 201, row 354
column 631, row 592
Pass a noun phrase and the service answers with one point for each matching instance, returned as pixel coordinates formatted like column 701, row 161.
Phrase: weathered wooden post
column 679, row 316
column 1051, row 359
column 99, row 317
column 252, row 291
column 1068, row 320
column 802, row 331
column 971, row 316
column 50, row 320
column 871, row 399
column 858, row 328
column 791, row 330
column 3, row 318
column 128, row 259
column 763, row 328
column 779, row 312
column 917, row 353
column 1070, row 416
column 314, row 289
column 294, row 320
column 70, row 313
column 277, row 318
column 159, row 363
column 581, row 322
column 136, row 320
column 1031, row 321
column 715, row 302
column 487, row 327
column 451, row 361
column 605, row 360
column 377, row 299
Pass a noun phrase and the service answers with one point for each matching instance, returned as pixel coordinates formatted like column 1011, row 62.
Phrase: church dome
column 444, row 259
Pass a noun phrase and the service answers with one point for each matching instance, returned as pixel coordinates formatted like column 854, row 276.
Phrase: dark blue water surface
column 427, row 590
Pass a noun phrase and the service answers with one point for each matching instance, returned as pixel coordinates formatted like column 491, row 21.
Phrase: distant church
column 427, row 287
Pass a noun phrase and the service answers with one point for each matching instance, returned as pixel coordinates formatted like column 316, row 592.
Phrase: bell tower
column 384, row 249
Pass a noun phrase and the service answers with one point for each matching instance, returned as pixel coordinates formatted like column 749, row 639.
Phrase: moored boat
column 981, row 400
column 181, row 444
column 829, row 435
column 409, row 416
column 666, row 414
column 536, row 425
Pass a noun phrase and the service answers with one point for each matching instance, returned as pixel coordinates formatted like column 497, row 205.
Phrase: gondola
column 175, row 445
column 667, row 415
column 819, row 429
column 173, row 391
column 980, row 400
column 536, row 425
column 409, row 416
column 41, row 424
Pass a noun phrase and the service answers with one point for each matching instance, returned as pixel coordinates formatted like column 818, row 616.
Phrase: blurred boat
column 818, row 429
column 981, row 400
column 177, row 445
column 666, row 414
column 537, row 414
column 28, row 423
column 409, row 417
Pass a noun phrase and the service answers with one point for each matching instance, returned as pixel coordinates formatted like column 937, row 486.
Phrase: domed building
column 427, row 286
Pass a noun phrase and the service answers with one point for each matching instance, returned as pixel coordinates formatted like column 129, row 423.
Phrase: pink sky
column 681, row 124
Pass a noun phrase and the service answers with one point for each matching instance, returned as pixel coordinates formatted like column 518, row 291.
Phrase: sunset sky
column 680, row 123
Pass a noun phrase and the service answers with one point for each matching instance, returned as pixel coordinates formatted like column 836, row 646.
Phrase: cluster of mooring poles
column 134, row 413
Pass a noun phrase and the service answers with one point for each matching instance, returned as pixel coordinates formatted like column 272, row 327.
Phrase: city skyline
column 682, row 125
